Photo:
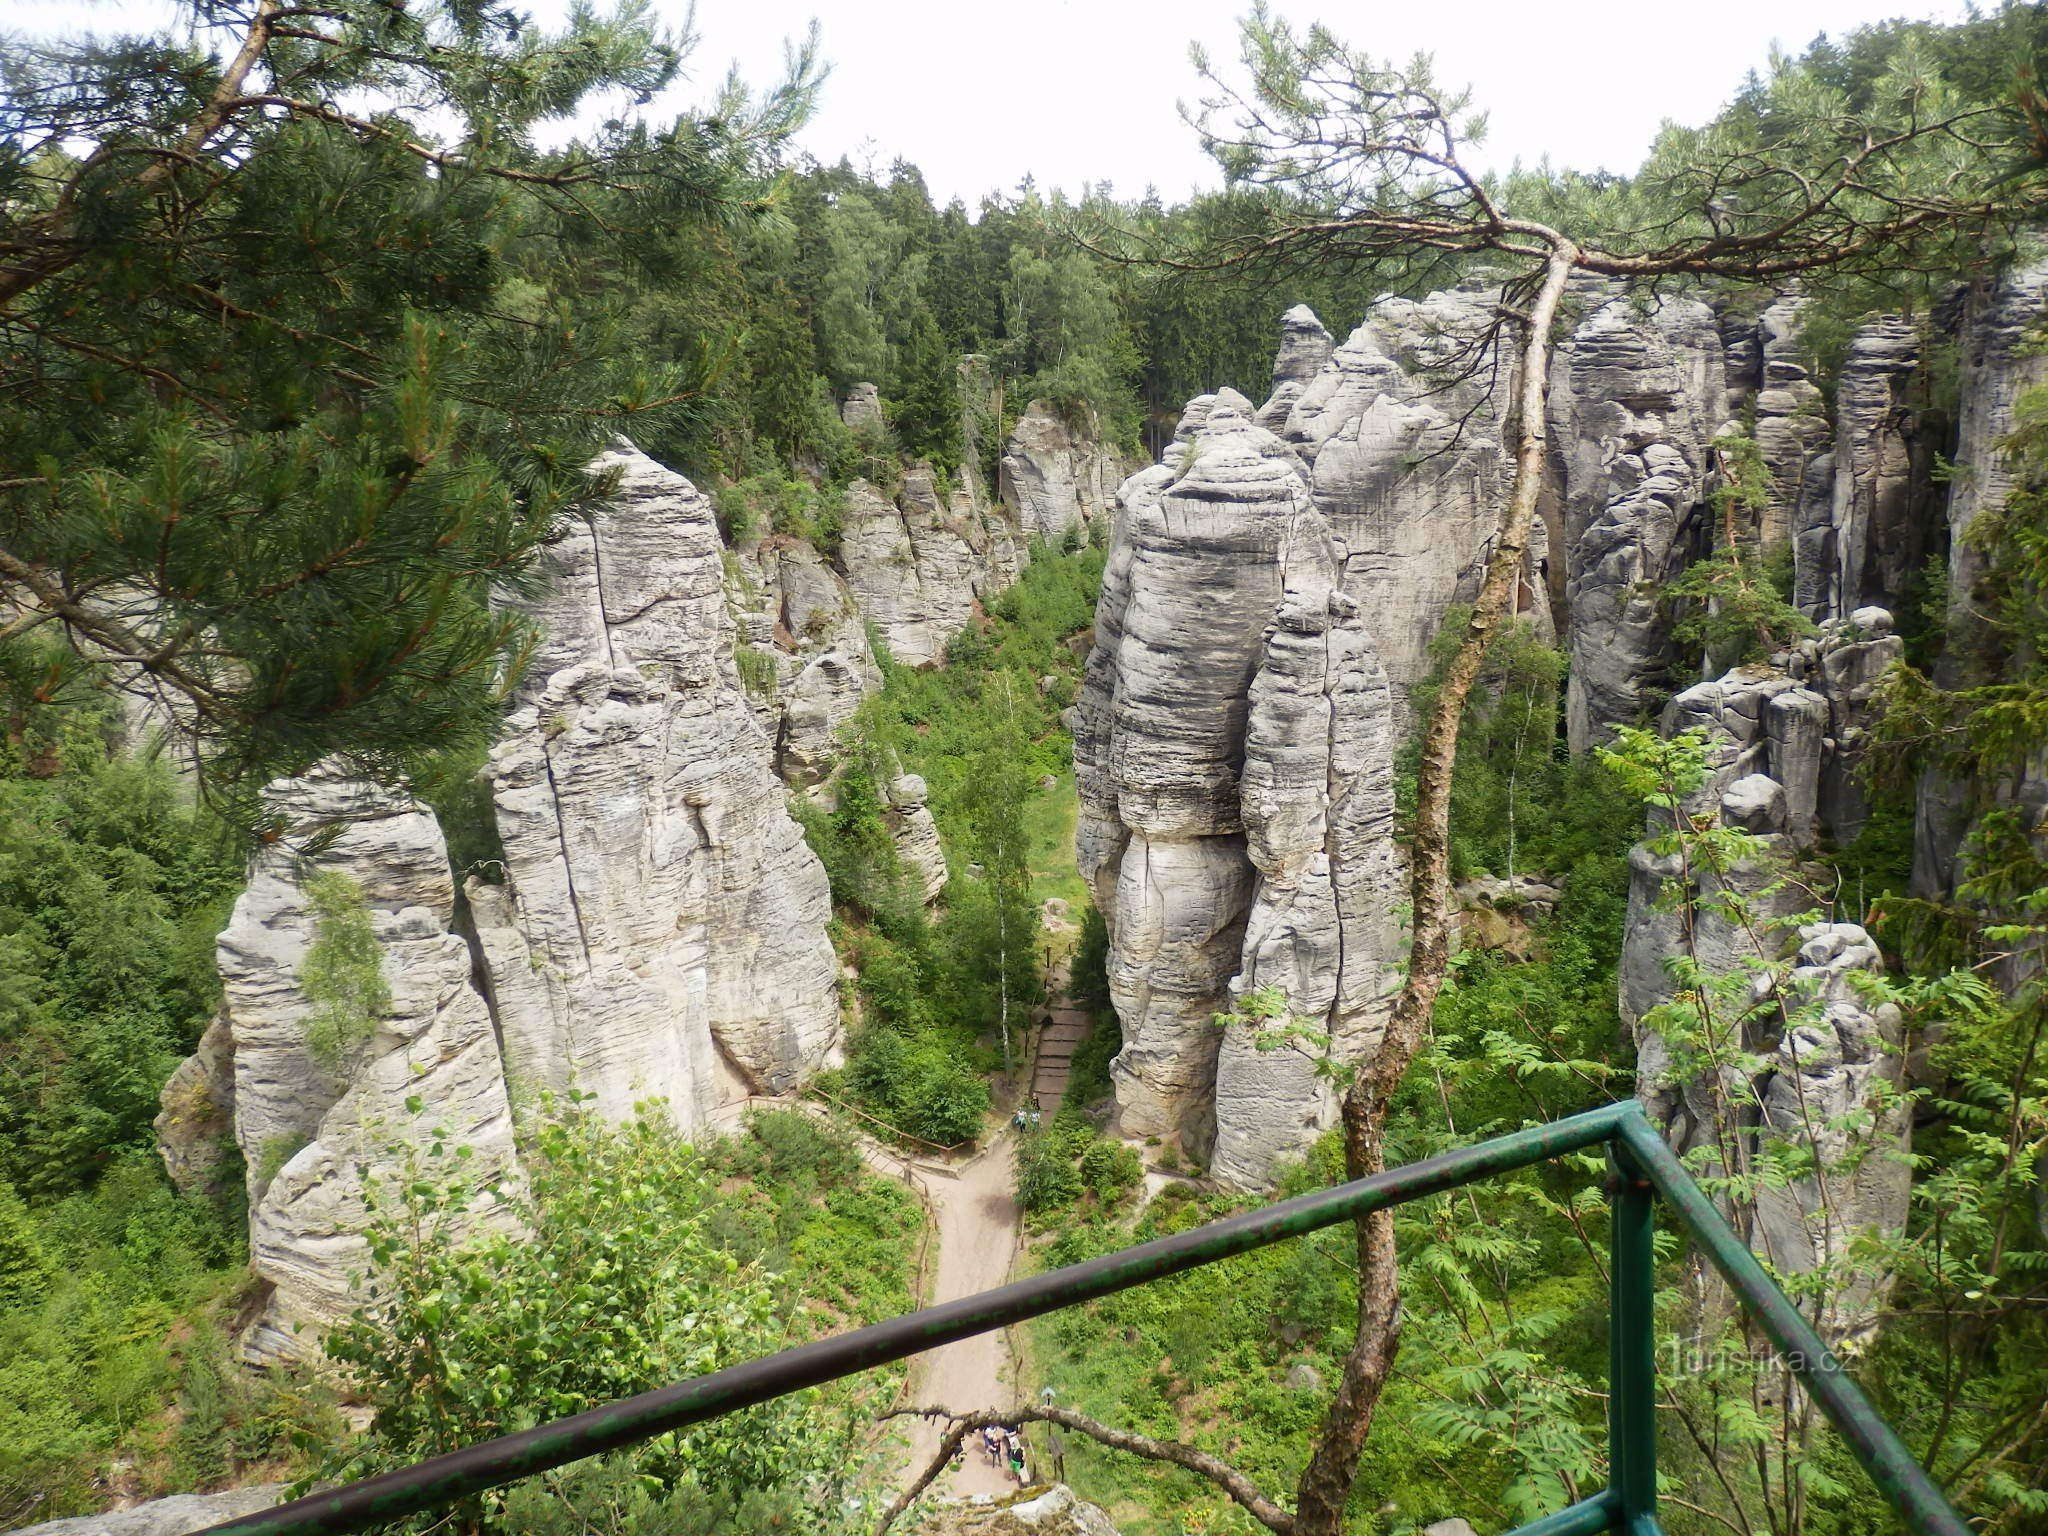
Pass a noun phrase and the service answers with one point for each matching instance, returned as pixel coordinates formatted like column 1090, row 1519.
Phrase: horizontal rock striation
column 1397, row 435
column 1233, row 742
column 1055, row 478
column 1638, row 394
column 2000, row 363
column 315, row 1102
column 657, row 930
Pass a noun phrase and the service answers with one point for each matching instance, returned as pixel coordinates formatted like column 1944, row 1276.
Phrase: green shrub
column 343, row 975
column 1046, row 1178
column 1110, row 1170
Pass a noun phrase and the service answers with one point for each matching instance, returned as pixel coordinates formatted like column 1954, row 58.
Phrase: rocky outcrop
column 862, row 408
column 1317, row 803
column 1399, row 443
column 1792, row 1055
column 1838, row 1058
column 1638, row 394
column 319, row 1094
column 916, row 835
column 1880, row 510
column 1792, row 430
column 196, row 1126
column 806, row 662
column 1053, row 1511
column 1999, row 365
column 1305, row 347
column 178, row 1515
column 660, row 932
column 1055, row 477
column 1233, row 743
column 914, row 566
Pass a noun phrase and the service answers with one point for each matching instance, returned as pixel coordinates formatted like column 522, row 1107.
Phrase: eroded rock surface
column 2000, row 363
column 316, row 1100
column 915, row 566
column 1233, row 742
column 1053, row 1511
column 1778, row 770
column 1638, row 394
column 197, row 1123
column 660, row 932
column 178, row 1515
column 1402, row 454
column 916, row 835
column 812, row 663
column 1055, row 477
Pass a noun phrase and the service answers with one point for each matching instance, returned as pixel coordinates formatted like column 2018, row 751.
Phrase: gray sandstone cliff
column 1999, row 364
column 311, row 1109
column 660, row 931
column 1055, row 478
column 1233, row 743
column 1800, row 1060
column 657, row 929
column 1400, row 446
column 1638, row 394
column 807, row 663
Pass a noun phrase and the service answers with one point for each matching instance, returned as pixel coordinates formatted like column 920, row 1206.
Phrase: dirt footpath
column 978, row 1224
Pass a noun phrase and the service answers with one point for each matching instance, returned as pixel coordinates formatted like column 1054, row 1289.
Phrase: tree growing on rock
column 1341, row 164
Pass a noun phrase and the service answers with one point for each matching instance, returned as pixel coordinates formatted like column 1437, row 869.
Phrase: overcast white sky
column 1073, row 91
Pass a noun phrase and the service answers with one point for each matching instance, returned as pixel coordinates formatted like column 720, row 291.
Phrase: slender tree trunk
column 1326, row 1481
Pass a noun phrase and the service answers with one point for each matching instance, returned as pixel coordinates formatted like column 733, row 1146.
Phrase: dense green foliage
column 462, row 1341
column 110, row 894
column 288, row 388
column 942, row 995
column 115, row 1305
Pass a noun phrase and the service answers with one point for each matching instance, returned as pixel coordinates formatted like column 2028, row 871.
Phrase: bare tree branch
column 1240, row 1488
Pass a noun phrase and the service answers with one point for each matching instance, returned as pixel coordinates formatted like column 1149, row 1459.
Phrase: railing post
column 1632, row 1348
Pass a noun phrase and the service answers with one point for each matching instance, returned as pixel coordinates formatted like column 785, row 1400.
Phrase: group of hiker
column 1026, row 1119
column 1004, row 1447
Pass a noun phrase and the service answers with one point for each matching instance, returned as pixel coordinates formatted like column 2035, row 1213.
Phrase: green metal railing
column 1642, row 1169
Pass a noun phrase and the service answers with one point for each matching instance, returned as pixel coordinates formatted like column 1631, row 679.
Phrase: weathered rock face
column 914, row 568
column 1317, row 801
column 1053, row 1511
column 1637, row 398
column 1780, row 759
column 310, row 1105
column 1233, row 742
column 1406, row 467
column 1839, row 1057
column 1792, row 430
column 814, row 665
column 916, row 835
column 1054, row 477
column 178, row 1515
column 1305, row 347
column 197, row 1123
column 659, row 932
column 661, row 928
column 1997, row 368
column 1880, row 508
column 862, row 407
